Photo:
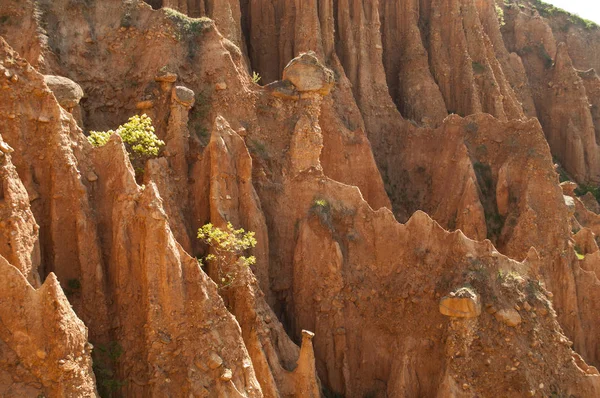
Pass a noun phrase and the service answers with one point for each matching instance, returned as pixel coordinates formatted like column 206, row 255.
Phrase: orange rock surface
column 398, row 164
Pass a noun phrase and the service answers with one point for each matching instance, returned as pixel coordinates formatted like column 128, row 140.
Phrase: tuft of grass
column 543, row 54
column 534, row 288
column 255, row 77
column 505, row 276
column 578, row 253
column 189, row 27
column 478, row 68
column 322, row 209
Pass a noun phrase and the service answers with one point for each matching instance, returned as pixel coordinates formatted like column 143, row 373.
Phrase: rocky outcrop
column 225, row 182
column 571, row 132
column 161, row 300
column 19, row 241
column 67, row 93
column 43, row 345
column 46, row 143
column 555, row 82
column 227, row 186
column 307, row 74
column 305, row 163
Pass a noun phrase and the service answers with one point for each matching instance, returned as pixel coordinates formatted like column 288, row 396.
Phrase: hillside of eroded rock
column 419, row 179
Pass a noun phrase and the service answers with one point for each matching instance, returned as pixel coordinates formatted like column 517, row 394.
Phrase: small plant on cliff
column 478, row 68
column 227, row 245
column 255, row 77
column 543, row 54
column 549, row 11
column 139, row 138
column 322, row 209
column 579, row 252
column 500, row 14
column 188, row 26
column 73, row 287
column 583, row 189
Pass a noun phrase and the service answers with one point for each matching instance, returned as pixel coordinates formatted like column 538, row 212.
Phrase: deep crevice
column 155, row 4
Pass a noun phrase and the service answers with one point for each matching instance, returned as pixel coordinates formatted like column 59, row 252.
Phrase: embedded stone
column 508, row 316
column 307, row 73
column 67, row 92
column 227, row 375
column 214, row 361
column 183, row 95
column 167, row 77
column 283, row 89
column 462, row 303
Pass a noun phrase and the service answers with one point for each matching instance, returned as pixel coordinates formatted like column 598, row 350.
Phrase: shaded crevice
column 245, row 26
column 155, row 4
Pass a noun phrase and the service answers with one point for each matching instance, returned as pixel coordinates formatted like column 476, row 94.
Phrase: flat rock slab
column 463, row 303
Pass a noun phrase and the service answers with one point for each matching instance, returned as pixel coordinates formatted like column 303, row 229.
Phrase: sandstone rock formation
column 43, row 344
column 395, row 160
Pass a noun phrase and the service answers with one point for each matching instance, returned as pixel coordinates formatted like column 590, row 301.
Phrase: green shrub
column 500, row 15
column 73, row 287
column 227, row 244
column 582, row 189
column 579, row 253
column 139, row 139
column 548, row 10
column 137, row 134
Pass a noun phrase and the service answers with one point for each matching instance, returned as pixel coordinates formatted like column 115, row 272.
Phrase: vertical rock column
column 18, row 229
column 177, row 139
column 50, row 159
column 227, row 170
column 406, row 62
column 571, row 133
column 43, row 345
column 312, row 80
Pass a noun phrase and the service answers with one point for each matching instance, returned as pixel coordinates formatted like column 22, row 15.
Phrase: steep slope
column 43, row 345
column 479, row 292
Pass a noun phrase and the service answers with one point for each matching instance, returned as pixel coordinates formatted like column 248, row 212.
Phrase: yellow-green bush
column 227, row 244
column 137, row 134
